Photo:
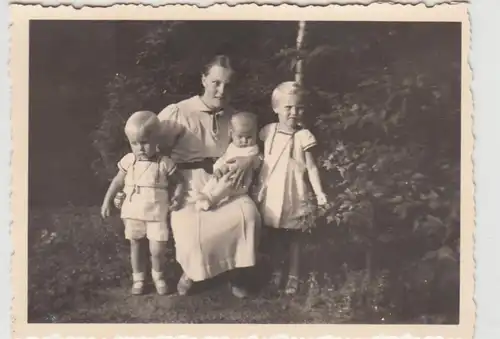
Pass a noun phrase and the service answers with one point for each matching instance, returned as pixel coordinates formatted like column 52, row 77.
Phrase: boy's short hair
column 286, row 88
column 144, row 123
column 249, row 120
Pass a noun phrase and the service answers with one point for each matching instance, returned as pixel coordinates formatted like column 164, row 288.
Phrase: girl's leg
column 138, row 266
column 294, row 268
column 277, row 250
column 157, row 249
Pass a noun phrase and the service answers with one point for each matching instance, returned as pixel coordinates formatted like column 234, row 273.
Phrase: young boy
column 144, row 176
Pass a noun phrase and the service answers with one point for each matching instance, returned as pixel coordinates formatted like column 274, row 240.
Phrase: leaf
column 401, row 210
column 396, row 200
column 418, row 176
column 386, row 237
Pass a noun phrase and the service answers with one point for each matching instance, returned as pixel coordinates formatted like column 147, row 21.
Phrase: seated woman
column 223, row 238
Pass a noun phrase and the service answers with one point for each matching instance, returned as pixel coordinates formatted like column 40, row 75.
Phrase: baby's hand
column 321, row 199
column 105, row 210
column 202, row 205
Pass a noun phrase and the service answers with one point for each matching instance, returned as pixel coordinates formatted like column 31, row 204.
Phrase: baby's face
column 243, row 137
column 143, row 147
column 289, row 109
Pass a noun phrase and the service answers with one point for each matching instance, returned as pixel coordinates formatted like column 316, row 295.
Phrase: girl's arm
column 314, row 178
column 115, row 186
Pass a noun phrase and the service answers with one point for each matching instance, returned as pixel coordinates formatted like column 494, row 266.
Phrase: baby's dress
column 146, row 182
column 217, row 191
column 285, row 200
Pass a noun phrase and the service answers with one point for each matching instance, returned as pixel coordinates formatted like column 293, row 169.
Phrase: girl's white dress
column 286, row 193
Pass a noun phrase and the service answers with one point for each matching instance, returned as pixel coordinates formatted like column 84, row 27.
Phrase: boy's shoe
column 276, row 279
column 161, row 286
column 137, row 287
column 239, row 292
column 184, row 285
column 292, row 286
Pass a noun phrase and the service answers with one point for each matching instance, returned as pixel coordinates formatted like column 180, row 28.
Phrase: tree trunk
column 299, row 73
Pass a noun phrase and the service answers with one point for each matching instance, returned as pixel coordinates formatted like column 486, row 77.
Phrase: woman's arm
column 177, row 182
column 115, row 186
column 172, row 128
column 313, row 173
column 241, row 165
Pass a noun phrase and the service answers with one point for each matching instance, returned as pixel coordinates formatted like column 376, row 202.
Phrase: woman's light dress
column 207, row 242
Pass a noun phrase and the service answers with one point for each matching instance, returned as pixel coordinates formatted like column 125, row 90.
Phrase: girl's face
column 289, row 109
column 144, row 147
column 216, row 84
column 242, row 137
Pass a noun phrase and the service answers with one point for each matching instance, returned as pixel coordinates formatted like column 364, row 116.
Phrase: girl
column 283, row 193
column 144, row 176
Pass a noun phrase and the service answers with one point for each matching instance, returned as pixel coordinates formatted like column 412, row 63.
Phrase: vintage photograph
column 270, row 171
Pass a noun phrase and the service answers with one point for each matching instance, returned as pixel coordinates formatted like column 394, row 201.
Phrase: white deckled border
column 20, row 16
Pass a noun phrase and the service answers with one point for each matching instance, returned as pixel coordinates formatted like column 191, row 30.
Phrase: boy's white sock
column 138, row 276
column 156, row 275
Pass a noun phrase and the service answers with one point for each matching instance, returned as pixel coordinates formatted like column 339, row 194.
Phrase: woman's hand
column 237, row 173
column 175, row 202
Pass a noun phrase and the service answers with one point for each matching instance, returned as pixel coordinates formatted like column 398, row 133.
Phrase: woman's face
column 216, row 84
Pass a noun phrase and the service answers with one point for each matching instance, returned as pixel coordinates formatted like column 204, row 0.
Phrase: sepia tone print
column 239, row 167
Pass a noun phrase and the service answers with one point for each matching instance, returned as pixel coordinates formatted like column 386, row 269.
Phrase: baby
column 145, row 178
column 243, row 132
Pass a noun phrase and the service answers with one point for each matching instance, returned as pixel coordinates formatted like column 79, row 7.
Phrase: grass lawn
column 79, row 272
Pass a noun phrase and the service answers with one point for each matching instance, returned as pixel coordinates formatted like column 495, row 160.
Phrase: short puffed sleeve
column 172, row 127
column 125, row 162
column 306, row 139
column 168, row 165
column 264, row 132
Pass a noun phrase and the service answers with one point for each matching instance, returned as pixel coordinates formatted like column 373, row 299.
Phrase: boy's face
column 242, row 136
column 289, row 109
column 143, row 146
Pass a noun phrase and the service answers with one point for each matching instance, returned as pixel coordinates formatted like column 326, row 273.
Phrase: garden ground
column 79, row 272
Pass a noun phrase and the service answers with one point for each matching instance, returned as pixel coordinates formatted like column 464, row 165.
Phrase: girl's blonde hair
column 143, row 123
column 286, row 88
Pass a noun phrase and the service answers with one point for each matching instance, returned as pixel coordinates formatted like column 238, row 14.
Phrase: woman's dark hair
column 218, row 60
